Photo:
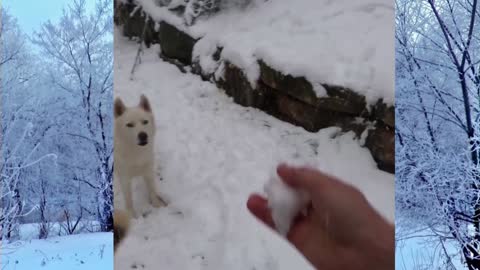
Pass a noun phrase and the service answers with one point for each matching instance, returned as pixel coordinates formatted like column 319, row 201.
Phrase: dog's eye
column 145, row 122
column 130, row 125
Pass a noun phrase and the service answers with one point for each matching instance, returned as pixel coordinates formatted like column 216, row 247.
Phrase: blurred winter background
column 437, row 134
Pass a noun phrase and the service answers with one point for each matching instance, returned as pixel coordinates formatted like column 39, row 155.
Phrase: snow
column 285, row 203
column 339, row 42
column 159, row 14
column 211, row 154
column 203, row 54
column 75, row 252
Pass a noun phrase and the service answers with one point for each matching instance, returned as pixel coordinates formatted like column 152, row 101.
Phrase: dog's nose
column 142, row 136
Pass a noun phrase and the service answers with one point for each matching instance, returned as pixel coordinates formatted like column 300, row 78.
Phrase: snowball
column 285, row 202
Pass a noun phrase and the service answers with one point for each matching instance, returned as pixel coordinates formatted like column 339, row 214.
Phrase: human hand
column 340, row 230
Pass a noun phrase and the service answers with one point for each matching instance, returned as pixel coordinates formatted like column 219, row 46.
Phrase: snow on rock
column 285, row 203
column 203, row 52
column 335, row 42
column 340, row 42
column 161, row 13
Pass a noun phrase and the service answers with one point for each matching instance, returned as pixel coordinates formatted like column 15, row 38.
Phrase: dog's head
column 134, row 124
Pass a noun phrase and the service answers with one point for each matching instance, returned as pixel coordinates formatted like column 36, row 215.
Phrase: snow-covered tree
column 437, row 103
column 79, row 59
column 20, row 138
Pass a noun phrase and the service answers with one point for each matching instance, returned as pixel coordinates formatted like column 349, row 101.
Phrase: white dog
column 134, row 149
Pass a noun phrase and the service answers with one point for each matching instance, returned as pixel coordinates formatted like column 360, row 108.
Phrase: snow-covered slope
column 212, row 153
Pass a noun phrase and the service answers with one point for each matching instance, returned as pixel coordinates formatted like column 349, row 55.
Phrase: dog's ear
column 144, row 103
column 118, row 107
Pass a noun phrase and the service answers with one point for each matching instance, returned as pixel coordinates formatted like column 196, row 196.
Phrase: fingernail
column 282, row 165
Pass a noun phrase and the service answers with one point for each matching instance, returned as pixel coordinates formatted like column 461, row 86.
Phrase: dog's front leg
column 155, row 199
column 127, row 194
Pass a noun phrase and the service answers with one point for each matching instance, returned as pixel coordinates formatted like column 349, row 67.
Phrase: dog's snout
column 142, row 136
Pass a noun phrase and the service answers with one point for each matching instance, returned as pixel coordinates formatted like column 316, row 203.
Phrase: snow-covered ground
column 93, row 251
column 211, row 154
column 341, row 42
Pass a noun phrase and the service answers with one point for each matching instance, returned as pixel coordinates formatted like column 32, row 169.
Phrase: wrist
column 380, row 252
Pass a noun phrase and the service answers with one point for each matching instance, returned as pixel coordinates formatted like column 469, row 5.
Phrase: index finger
column 305, row 178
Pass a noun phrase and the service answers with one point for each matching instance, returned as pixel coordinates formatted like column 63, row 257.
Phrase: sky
column 31, row 13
